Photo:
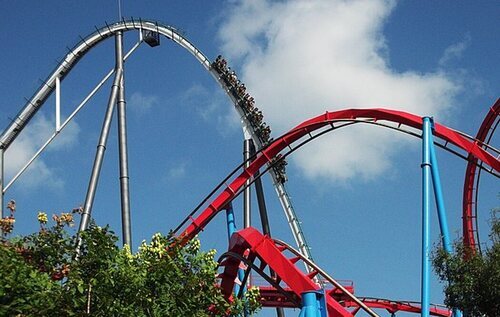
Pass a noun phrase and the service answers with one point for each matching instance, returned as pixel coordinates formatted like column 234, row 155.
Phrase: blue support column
column 231, row 228
column 313, row 304
column 426, row 171
column 439, row 197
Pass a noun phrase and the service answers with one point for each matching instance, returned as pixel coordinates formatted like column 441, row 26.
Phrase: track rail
column 475, row 149
column 252, row 126
column 471, row 183
column 74, row 55
column 266, row 155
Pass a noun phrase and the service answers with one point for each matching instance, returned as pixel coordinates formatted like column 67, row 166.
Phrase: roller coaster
column 292, row 276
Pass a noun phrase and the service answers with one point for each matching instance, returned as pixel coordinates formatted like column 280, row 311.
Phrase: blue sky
column 356, row 191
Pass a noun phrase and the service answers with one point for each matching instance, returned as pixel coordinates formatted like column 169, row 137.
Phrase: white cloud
column 455, row 51
column 141, row 103
column 28, row 142
column 300, row 58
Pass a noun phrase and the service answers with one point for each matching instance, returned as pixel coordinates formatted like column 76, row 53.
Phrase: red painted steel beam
column 470, row 176
column 313, row 124
column 408, row 119
column 265, row 248
column 297, row 281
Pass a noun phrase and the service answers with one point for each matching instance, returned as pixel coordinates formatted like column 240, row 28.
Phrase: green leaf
column 80, row 288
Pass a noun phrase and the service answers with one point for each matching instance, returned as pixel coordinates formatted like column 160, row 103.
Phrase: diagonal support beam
column 101, row 146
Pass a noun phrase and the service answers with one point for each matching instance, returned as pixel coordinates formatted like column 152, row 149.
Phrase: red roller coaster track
column 271, row 254
column 471, row 175
column 267, row 154
column 249, row 245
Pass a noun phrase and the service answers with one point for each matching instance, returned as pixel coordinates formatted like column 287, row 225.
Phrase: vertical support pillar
column 313, row 304
column 101, row 146
column 439, row 197
column 261, row 201
column 123, row 151
column 264, row 220
column 247, row 220
column 231, row 225
column 426, row 171
column 2, row 151
column 231, row 228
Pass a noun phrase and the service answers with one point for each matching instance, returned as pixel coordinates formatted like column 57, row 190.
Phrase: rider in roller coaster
column 254, row 115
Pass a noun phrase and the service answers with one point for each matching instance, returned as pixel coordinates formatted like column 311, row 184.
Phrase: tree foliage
column 472, row 279
column 39, row 276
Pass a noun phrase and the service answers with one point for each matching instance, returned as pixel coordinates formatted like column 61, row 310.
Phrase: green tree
column 472, row 279
column 39, row 276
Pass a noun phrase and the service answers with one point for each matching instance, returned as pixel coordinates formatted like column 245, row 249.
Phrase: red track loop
column 265, row 156
column 468, row 215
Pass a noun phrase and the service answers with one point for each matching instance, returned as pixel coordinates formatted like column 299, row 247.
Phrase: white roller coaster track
column 79, row 50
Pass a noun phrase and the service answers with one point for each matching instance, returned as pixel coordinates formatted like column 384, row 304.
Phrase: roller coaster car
column 152, row 38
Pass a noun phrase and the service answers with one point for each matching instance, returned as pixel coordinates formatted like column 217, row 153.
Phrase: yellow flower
column 42, row 217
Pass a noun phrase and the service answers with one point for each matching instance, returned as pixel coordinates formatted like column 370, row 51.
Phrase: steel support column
column 123, row 151
column 231, row 224
column 101, row 146
column 247, row 215
column 426, row 171
column 264, row 220
column 439, row 197
column 261, row 201
column 231, row 228
column 313, row 304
